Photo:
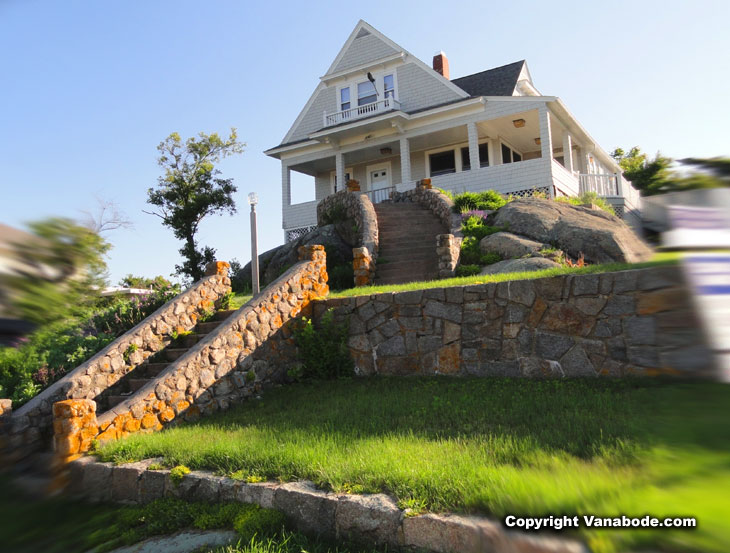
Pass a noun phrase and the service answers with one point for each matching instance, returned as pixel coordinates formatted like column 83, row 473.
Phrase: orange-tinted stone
column 132, row 425
column 68, row 444
column 167, row 415
column 148, row 421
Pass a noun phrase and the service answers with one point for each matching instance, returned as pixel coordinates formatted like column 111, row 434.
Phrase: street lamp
column 253, row 199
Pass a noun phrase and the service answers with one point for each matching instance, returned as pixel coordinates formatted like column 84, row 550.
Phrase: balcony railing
column 386, row 104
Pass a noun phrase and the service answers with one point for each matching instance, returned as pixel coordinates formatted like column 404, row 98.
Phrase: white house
column 385, row 118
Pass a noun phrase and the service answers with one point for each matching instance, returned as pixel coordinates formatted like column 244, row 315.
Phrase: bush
column 467, row 270
column 588, row 198
column 488, row 200
column 476, row 227
column 323, row 350
column 57, row 348
column 472, row 255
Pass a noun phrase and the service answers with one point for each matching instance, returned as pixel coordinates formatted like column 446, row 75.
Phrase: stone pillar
column 448, row 249
column 568, row 150
column 340, row 171
column 74, row 428
column 405, row 163
column 473, row 133
column 363, row 266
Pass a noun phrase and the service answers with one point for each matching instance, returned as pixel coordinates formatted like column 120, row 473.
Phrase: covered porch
column 534, row 146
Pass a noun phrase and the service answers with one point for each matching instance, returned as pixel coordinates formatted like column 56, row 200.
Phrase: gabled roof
column 500, row 81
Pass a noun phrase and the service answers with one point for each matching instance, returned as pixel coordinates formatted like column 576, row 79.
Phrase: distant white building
column 385, row 118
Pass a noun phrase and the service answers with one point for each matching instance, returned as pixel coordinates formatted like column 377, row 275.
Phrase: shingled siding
column 312, row 120
column 363, row 50
column 637, row 322
column 418, row 89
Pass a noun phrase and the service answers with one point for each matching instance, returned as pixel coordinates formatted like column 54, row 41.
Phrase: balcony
column 353, row 114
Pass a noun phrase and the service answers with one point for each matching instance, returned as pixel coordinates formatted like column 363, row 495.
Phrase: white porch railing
column 601, row 184
column 380, row 194
column 386, row 104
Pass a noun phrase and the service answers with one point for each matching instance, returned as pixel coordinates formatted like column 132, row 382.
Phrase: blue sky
column 90, row 88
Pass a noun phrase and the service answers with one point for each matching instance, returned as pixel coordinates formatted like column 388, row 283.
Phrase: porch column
column 340, row 171
column 546, row 146
column 405, row 163
column 285, row 185
column 568, row 151
column 473, row 133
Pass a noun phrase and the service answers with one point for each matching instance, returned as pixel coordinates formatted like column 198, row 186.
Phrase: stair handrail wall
column 29, row 428
column 353, row 206
column 448, row 244
column 210, row 376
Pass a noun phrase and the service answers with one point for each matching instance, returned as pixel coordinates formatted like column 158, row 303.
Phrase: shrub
column 588, row 198
column 259, row 522
column 467, row 270
column 178, row 473
column 476, row 227
column 341, row 276
column 487, row 200
column 472, row 255
column 323, row 350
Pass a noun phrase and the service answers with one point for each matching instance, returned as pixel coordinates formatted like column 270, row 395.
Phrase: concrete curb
column 371, row 519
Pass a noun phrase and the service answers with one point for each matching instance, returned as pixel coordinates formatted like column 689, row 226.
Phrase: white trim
column 333, row 178
column 377, row 167
column 504, row 141
column 399, row 56
column 299, row 118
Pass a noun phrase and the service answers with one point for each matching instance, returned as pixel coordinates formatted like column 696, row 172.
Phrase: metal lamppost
column 253, row 200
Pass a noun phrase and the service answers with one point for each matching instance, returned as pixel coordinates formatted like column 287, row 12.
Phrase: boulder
column 274, row 262
column 519, row 265
column 599, row 236
column 509, row 246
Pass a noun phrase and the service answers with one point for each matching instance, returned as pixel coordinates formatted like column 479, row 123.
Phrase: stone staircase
column 151, row 368
column 407, row 243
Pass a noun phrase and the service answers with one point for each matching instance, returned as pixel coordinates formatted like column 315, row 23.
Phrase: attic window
column 366, row 93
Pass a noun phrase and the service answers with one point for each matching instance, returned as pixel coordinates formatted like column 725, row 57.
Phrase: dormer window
column 344, row 99
column 388, row 87
column 366, row 93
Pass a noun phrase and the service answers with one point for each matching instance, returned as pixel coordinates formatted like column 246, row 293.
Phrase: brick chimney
column 441, row 64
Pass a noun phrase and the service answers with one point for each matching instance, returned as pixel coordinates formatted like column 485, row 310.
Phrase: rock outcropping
column 577, row 230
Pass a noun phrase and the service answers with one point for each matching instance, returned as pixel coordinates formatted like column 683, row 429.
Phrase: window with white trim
column 344, row 99
column 388, row 87
column 454, row 159
column 483, row 157
column 509, row 155
column 366, row 93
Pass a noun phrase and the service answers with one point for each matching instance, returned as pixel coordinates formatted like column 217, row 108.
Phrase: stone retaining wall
column 213, row 374
column 29, row 429
column 371, row 519
column 635, row 322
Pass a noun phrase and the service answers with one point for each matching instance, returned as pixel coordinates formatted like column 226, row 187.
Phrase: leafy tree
column 648, row 176
column 59, row 273
column 157, row 283
column 191, row 189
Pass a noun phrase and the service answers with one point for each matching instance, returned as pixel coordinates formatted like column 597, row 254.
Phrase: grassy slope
column 667, row 258
column 492, row 446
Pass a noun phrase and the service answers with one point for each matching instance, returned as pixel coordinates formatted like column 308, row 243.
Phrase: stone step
column 411, row 247
column 173, row 354
column 223, row 315
column 113, row 401
column 136, row 384
column 151, row 370
column 191, row 339
column 207, row 327
column 408, row 257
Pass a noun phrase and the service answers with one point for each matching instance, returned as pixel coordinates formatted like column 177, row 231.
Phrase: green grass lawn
column 662, row 258
column 492, row 446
